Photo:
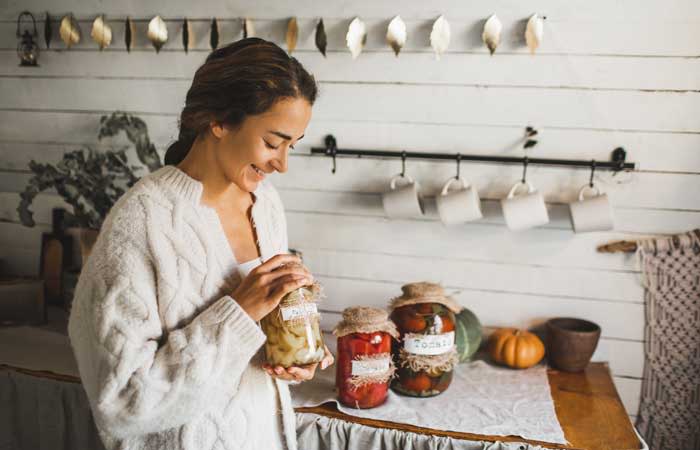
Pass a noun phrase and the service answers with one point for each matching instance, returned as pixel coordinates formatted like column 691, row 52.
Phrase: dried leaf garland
column 214, row 35
column 440, row 36
column 157, row 32
column 69, row 30
column 396, row 34
column 48, row 30
column 321, row 39
column 292, row 34
column 128, row 33
column 492, row 33
column 101, row 32
column 356, row 37
column 534, row 32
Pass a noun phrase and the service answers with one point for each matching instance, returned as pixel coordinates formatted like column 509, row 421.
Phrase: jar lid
column 305, row 294
column 308, row 293
column 363, row 319
column 424, row 292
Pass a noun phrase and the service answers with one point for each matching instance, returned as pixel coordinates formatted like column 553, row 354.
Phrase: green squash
column 467, row 334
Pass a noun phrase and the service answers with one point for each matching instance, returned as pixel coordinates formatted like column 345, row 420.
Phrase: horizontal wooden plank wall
column 600, row 80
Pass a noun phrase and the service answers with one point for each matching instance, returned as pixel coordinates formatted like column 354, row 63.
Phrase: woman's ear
column 218, row 130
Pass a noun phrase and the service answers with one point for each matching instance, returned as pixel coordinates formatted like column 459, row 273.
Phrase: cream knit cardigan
column 168, row 359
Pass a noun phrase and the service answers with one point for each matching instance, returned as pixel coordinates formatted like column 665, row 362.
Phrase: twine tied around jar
column 301, row 303
column 358, row 381
column 424, row 292
column 363, row 319
column 432, row 364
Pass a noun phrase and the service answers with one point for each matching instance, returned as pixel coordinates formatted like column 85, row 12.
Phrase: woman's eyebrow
column 283, row 136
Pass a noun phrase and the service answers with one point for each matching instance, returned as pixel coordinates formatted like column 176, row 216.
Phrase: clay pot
column 571, row 343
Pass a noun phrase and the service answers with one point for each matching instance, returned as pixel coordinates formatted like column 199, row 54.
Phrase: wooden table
column 587, row 404
column 588, row 407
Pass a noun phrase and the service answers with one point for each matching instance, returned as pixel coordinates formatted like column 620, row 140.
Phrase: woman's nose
column 280, row 164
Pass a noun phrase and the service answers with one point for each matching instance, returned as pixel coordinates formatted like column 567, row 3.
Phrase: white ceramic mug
column 404, row 202
column 593, row 213
column 526, row 210
column 459, row 206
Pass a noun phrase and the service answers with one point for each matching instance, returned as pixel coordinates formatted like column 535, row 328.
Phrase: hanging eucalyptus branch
column 91, row 181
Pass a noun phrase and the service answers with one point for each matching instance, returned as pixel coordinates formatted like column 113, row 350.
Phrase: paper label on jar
column 369, row 367
column 298, row 311
column 429, row 344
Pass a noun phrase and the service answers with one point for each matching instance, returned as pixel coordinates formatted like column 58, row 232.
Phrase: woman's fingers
column 270, row 277
column 297, row 373
column 328, row 359
column 304, row 373
column 284, row 286
column 275, row 262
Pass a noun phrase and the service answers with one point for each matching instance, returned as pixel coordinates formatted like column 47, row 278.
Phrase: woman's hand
column 261, row 291
column 299, row 373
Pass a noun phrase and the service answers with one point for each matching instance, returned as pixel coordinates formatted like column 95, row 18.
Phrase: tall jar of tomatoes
column 425, row 353
column 364, row 365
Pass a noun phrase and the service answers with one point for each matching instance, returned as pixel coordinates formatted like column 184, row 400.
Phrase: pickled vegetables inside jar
column 425, row 354
column 293, row 329
column 364, row 365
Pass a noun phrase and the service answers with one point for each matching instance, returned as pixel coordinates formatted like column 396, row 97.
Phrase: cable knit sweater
column 167, row 358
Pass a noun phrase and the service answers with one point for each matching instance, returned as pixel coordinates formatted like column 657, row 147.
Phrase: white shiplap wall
column 608, row 74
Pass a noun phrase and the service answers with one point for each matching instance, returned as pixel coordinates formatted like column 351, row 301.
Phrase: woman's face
column 262, row 143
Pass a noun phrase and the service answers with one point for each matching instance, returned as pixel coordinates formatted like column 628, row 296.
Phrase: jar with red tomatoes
column 425, row 354
column 364, row 365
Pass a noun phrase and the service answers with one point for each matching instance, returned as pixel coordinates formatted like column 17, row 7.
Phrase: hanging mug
column 526, row 210
column 459, row 206
column 591, row 213
column 403, row 202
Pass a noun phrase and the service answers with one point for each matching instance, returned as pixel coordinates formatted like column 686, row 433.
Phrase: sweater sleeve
column 139, row 377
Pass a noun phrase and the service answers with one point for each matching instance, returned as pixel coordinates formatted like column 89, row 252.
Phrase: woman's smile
column 259, row 174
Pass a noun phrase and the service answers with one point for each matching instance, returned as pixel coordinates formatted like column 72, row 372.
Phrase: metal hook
column 525, row 162
column 19, row 20
column 590, row 182
column 331, row 149
column 403, row 164
column 459, row 160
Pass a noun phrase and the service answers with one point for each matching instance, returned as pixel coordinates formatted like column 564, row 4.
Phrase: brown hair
column 242, row 79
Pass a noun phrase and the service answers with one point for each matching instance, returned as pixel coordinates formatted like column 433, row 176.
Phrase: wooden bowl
column 571, row 343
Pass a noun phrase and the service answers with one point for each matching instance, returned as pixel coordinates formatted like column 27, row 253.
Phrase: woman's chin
column 251, row 184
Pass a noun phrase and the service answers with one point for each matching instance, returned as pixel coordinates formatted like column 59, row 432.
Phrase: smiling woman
column 164, row 319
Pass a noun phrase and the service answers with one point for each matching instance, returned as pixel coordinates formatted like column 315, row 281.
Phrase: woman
column 163, row 324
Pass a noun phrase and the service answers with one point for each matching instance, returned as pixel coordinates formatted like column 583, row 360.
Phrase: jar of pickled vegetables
column 364, row 365
column 425, row 354
column 293, row 329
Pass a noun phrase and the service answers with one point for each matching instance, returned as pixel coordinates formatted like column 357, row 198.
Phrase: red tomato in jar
column 351, row 347
column 407, row 321
column 418, row 383
column 447, row 324
column 424, row 308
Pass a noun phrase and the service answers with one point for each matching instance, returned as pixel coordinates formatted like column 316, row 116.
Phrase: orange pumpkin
column 515, row 348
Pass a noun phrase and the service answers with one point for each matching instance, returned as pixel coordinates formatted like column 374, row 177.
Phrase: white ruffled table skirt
column 45, row 414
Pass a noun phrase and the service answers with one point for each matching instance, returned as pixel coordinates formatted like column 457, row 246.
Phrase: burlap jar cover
column 425, row 292
column 362, row 319
column 300, row 305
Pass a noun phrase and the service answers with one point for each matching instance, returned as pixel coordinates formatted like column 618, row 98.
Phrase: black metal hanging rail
column 616, row 163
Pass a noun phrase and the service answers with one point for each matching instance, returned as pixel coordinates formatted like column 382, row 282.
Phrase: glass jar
column 425, row 354
column 364, row 365
column 363, row 354
column 293, row 330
